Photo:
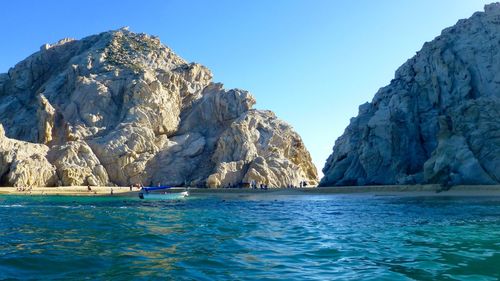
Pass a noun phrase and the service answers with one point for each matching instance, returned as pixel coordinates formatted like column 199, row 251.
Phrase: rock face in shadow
column 437, row 121
column 121, row 108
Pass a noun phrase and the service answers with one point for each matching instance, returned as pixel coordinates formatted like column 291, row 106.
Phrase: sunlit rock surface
column 121, row 108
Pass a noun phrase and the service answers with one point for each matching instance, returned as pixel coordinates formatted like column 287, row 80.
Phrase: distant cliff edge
column 437, row 122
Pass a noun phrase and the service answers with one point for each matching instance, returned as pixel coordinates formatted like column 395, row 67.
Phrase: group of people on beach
column 139, row 186
column 255, row 185
column 301, row 185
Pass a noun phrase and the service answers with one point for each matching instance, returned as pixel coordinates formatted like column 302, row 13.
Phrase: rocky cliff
column 121, row 108
column 437, row 121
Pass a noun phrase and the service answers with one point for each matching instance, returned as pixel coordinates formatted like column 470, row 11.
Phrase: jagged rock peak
column 437, row 121
column 122, row 108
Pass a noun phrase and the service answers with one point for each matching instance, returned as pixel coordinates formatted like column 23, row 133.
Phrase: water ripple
column 250, row 237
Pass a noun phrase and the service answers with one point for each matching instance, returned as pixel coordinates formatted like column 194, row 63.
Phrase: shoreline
column 379, row 190
column 69, row 191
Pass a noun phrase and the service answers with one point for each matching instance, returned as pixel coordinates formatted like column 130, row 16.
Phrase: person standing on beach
column 111, row 191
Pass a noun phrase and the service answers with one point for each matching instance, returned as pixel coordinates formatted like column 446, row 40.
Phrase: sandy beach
column 70, row 191
column 387, row 190
column 380, row 190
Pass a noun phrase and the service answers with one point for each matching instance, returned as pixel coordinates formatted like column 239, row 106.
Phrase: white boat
column 155, row 193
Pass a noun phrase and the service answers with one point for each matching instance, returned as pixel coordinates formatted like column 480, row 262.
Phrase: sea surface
column 250, row 237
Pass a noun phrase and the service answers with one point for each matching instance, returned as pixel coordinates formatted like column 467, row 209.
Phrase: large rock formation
column 437, row 121
column 24, row 164
column 120, row 108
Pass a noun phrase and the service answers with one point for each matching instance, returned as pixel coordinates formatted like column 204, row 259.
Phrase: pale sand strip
column 397, row 190
column 70, row 191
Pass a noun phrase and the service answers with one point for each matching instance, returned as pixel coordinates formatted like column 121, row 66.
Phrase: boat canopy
column 151, row 188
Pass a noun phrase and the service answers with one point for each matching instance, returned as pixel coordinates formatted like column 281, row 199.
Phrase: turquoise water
column 252, row 237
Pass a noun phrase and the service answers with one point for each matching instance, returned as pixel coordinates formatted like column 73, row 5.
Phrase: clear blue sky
column 312, row 62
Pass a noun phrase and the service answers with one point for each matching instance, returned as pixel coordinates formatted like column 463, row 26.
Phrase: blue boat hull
column 163, row 196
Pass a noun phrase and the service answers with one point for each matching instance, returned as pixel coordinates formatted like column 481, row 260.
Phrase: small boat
column 156, row 193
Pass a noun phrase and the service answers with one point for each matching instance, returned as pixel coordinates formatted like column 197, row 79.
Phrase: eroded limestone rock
column 437, row 121
column 77, row 165
column 261, row 148
column 24, row 164
column 121, row 108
